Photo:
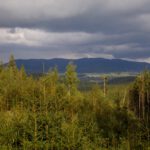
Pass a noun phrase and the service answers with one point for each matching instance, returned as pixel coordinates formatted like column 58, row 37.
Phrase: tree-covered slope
column 85, row 65
column 51, row 113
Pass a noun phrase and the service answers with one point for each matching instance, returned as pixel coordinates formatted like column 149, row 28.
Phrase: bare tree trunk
column 24, row 140
column 143, row 98
column 148, row 114
column 124, row 98
column 139, row 112
column 105, row 86
column 47, row 136
column 35, row 129
column 46, row 113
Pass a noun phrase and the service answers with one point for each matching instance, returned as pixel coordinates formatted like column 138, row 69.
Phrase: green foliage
column 47, row 113
column 71, row 78
column 139, row 98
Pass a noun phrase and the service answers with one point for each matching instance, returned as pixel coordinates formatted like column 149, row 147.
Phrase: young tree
column 23, row 74
column 12, row 63
column 71, row 79
column 12, row 66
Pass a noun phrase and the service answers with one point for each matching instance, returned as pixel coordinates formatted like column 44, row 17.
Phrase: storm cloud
column 75, row 29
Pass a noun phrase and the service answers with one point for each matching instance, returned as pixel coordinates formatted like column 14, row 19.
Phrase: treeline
column 50, row 113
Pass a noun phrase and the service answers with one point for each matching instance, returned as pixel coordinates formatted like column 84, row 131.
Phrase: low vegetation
column 51, row 113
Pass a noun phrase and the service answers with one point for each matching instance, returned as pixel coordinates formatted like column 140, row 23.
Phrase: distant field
column 87, row 80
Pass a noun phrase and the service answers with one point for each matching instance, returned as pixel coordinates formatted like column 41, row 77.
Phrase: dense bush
column 51, row 113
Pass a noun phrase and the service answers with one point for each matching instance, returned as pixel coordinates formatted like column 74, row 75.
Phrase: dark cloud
column 75, row 28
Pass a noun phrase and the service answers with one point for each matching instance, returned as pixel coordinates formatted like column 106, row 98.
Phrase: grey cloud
column 75, row 28
column 87, row 15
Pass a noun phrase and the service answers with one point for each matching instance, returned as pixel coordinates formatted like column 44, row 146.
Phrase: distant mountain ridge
column 84, row 65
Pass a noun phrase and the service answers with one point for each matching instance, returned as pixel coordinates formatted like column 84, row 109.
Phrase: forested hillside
column 51, row 113
column 85, row 65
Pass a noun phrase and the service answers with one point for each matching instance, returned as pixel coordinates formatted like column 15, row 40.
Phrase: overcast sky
column 75, row 29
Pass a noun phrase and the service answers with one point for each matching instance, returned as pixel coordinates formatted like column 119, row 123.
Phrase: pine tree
column 23, row 74
column 71, row 78
column 12, row 66
column 12, row 63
